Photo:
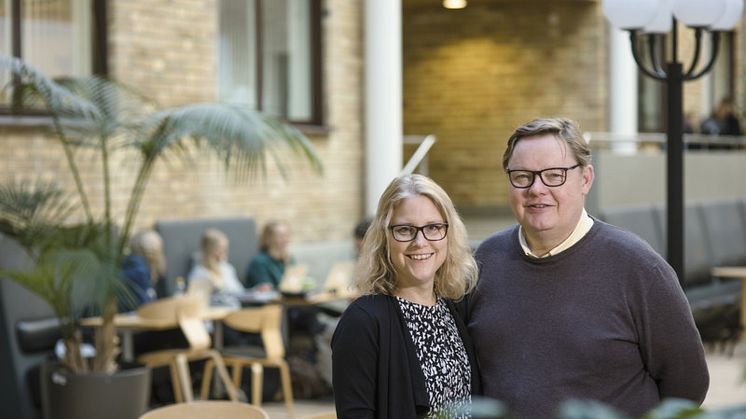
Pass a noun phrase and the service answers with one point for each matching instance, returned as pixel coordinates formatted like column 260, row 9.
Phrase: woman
column 401, row 350
column 215, row 276
column 142, row 269
column 267, row 267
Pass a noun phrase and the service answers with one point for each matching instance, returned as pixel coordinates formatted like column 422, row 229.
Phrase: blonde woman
column 214, row 275
column 401, row 350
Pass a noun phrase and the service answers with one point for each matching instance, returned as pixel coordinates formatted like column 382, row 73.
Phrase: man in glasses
column 569, row 307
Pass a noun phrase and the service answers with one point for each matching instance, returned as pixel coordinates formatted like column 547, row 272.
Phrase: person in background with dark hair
column 722, row 121
column 569, row 307
column 401, row 350
column 358, row 234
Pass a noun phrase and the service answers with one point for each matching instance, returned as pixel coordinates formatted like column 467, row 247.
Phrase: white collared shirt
column 581, row 229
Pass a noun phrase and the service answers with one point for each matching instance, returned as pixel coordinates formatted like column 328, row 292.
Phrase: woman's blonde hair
column 212, row 239
column 376, row 274
column 149, row 245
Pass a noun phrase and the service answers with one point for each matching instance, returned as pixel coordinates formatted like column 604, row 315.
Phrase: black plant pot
column 122, row 395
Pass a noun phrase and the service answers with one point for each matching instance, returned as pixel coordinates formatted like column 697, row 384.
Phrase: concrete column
column 383, row 97
column 623, row 90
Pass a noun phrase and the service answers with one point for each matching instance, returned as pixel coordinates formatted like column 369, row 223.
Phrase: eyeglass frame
column 419, row 230
column 534, row 173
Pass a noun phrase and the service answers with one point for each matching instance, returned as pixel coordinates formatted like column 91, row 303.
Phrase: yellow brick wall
column 472, row 75
column 167, row 49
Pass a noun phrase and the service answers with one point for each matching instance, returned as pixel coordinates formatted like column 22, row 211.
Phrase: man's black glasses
column 551, row 177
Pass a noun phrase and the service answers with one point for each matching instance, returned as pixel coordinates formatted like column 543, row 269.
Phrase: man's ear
column 588, row 175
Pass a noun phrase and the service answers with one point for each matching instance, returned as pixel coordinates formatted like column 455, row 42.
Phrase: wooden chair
column 327, row 415
column 185, row 311
column 207, row 410
column 266, row 321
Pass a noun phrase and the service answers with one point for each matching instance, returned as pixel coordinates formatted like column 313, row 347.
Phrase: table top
column 133, row 321
column 730, row 271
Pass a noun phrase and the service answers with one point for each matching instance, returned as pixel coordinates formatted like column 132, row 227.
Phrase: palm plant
column 76, row 265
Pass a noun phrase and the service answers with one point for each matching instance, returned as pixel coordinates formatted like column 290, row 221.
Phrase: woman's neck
column 421, row 296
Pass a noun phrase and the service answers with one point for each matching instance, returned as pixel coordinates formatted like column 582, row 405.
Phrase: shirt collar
column 581, row 229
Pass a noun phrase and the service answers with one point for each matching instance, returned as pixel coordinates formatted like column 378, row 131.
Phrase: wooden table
column 735, row 272
column 129, row 323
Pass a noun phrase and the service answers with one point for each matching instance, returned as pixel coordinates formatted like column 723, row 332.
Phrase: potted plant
column 76, row 264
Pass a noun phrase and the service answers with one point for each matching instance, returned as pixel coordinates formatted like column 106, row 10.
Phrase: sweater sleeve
column 669, row 341
column 355, row 349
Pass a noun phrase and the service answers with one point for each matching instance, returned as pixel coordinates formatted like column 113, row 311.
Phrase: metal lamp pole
column 674, row 77
column 651, row 20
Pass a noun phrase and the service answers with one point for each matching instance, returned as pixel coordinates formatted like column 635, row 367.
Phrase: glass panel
column 237, row 52
column 650, row 95
column 56, row 36
column 5, row 47
column 5, row 27
column 286, row 59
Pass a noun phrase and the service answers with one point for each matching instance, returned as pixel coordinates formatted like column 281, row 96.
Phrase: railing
column 657, row 140
column 419, row 157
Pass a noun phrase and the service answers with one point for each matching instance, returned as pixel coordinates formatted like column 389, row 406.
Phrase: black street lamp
column 651, row 20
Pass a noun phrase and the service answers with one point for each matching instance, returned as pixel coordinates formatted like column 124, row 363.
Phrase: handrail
column 420, row 154
column 603, row 140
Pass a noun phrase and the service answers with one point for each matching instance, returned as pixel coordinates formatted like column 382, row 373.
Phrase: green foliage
column 76, row 265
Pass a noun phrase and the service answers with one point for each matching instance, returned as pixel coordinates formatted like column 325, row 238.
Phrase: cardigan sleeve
column 355, row 348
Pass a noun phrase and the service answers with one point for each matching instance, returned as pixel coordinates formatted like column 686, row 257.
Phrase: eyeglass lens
column 432, row 232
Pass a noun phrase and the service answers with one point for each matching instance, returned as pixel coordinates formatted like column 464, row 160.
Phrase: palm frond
column 58, row 100
column 32, row 213
column 238, row 136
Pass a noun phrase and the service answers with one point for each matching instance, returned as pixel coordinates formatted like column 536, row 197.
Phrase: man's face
column 548, row 214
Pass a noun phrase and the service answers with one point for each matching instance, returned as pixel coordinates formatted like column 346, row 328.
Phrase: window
column 269, row 57
column 718, row 83
column 58, row 37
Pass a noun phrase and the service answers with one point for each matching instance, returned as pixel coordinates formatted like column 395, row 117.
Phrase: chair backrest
column 207, row 410
column 327, row 415
column 640, row 220
column 184, row 311
column 265, row 320
column 726, row 231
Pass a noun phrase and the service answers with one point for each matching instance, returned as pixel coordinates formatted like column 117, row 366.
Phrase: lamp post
column 651, row 20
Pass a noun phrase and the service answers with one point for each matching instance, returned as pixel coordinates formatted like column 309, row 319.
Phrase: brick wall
column 167, row 49
column 472, row 75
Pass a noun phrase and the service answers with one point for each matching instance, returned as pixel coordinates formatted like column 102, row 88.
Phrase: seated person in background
column 267, row 267
column 142, row 269
column 359, row 233
column 214, row 276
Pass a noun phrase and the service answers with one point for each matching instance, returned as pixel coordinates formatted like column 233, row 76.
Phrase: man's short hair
column 563, row 129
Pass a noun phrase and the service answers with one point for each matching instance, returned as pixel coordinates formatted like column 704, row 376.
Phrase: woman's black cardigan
column 375, row 368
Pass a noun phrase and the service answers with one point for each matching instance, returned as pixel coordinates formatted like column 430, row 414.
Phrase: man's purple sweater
column 605, row 320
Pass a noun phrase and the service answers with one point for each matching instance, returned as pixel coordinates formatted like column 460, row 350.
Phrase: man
column 569, row 307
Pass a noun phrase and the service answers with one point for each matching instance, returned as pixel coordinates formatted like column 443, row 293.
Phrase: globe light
column 729, row 19
column 630, row 14
column 698, row 13
column 663, row 20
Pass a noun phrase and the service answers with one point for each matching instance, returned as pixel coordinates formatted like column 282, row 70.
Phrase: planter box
column 122, row 395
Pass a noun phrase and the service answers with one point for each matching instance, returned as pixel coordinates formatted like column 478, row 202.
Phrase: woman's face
column 220, row 252
column 280, row 238
column 416, row 261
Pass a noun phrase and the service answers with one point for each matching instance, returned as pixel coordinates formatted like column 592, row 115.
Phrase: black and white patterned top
column 442, row 357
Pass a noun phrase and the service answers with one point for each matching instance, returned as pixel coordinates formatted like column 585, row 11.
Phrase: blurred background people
column 267, row 267
column 142, row 270
column 214, row 276
column 722, row 121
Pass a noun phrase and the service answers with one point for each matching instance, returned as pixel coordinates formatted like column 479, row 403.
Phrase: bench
column 715, row 235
